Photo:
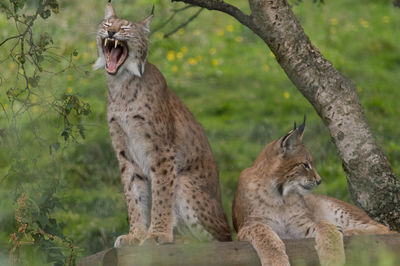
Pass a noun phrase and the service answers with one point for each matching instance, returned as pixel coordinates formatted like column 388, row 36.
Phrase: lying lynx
column 273, row 202
column 167, row 168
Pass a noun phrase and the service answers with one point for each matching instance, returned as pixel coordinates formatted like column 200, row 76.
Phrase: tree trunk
column 372, row 183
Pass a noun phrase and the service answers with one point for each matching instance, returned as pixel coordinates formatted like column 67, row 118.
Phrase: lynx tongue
column 112, row 62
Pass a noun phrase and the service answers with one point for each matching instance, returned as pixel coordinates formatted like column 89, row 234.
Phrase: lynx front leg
column 270, row 248
column 329, row 244
column 135, row 190
column 162, row 191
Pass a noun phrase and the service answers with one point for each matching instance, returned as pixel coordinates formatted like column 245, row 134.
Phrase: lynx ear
column 110, row 13
column 291, row 140
column 147, row 21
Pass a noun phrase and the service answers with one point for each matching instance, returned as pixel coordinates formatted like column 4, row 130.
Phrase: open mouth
column 115, row 52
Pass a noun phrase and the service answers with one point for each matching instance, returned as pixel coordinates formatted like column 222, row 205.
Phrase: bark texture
column 372, row 182
column 300, row 251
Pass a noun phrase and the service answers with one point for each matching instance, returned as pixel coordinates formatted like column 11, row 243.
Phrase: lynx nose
column 110, row 33
column 319, row 181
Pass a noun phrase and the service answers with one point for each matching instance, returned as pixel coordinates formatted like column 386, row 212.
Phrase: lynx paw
column 122, row 241
column 329, row 244
column 160, row 238
column 135, row 238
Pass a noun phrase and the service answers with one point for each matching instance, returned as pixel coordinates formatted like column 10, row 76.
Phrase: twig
column 223, row 7
column 175, row 12
column 10, row 38
column 183, row 25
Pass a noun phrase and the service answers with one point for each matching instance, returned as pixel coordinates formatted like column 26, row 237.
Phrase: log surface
column 301, row 252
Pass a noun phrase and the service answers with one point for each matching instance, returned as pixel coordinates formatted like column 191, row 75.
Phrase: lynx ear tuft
column 302, row 127
column 110, row 13
column 292, row 139
column 147, row 21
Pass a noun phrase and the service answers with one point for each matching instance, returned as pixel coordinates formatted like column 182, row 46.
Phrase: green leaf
column 45, row 14
column 65, row 134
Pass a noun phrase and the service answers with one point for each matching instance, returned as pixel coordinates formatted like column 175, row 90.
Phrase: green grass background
column 229, row 80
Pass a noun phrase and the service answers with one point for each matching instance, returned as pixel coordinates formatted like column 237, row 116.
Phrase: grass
column 230, row 81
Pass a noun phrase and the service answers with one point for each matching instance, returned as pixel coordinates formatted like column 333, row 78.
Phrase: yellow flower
column 286, row 95
column 334, row 21
column 92, row 44
column 213, row 51
column 158, row 35
column 69, row 77
column 35, row 109
column 266, row 68
column 5, row 106
column 215, row 62
column 69, row 89
column 85, row 55
column 11, row 66
column 359, row 89
column 220, row 32
column 196, row 32
column 271, row 54
column 364, row 23
column 184, row 49
column 192, row 61
column 179, row 55
column 175, row 68
column 239, row 39
column 385, row 19
column 171, row 56
column 181, row 31
column 229, row 28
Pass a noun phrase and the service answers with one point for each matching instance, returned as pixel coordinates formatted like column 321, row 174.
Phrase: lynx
column 167, row 167
column 273, row 202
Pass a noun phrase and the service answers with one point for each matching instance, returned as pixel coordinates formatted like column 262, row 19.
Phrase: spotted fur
column 167, row 167
column 273, row 202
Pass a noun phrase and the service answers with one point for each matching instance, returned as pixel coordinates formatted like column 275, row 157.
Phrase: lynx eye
column 307, row 166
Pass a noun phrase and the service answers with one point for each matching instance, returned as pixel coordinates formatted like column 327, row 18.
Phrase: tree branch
column 184, row 24
column 10, row 38
column 223, row 7
column 175, row 12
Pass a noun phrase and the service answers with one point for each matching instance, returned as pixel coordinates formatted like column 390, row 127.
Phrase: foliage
column 59, row 181
column 33, row 188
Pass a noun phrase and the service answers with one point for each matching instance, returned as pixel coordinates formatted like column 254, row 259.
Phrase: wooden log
column 359, row 251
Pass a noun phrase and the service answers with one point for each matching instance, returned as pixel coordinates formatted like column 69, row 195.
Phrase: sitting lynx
column 273, row 202
column 167, row 168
